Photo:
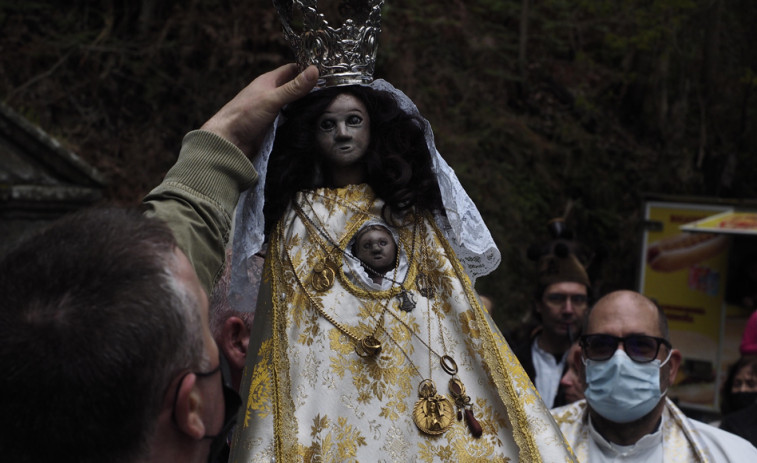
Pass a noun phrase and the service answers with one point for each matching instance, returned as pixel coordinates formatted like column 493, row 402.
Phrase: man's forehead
column 624, row 313
column 570, row 287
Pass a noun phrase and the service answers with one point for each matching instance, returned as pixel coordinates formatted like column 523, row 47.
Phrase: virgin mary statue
column 351, row 362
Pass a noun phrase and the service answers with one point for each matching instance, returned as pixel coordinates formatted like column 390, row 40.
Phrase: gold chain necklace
column 463, row 401
column 456, row 387
column 432, row 412
column 325, row 272
column 365, row 346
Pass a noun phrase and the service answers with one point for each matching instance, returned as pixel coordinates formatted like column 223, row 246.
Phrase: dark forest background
column 541, row 106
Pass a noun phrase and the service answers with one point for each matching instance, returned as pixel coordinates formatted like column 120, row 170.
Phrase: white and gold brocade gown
column 309, row 395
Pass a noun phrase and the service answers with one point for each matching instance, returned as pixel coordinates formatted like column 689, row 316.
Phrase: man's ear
column 187, row 408
column 235, row 337
column 537, row 306
column 675, row 362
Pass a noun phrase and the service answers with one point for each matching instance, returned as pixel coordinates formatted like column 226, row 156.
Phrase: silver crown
column 344, row 55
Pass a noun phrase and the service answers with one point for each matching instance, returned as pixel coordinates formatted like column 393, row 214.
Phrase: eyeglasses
column 559, row 299
column 641, row 349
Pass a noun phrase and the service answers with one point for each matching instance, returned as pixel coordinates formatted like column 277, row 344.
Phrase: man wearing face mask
column 626, row 363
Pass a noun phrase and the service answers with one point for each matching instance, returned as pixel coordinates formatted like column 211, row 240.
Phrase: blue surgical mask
column 622, row 390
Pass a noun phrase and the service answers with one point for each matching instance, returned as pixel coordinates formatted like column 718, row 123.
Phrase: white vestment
column 677, row 439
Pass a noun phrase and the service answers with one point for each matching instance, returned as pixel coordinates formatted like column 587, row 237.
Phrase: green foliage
column 597, row 103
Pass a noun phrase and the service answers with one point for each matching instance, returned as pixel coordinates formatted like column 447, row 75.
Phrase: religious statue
column 363, row 355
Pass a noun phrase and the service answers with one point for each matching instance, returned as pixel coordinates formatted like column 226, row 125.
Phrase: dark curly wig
column 397, row 162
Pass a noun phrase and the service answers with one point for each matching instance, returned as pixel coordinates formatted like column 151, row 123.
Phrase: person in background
column 739, row 404
column 560, row 301
column 626, row 364
column 740, row 387
column 231, row 328
column 231, row 331
column 487, row 302
column 106, row 351
column 571, row 389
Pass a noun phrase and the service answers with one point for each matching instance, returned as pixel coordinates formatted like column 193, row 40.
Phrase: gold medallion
column 433, row 413
column 323, row 276
column 369, row 346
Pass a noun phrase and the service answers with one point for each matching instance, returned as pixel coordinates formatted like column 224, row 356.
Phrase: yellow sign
column 685, row 273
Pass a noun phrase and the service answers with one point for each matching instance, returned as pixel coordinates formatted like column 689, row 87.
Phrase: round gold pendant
column 433, row 413
column 323, row 276
column 369, row 346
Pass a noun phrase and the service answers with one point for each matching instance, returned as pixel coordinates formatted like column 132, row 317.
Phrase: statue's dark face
column 376, row 248
column 344, row 132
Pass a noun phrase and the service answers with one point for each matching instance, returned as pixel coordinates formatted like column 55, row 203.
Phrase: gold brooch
column 432, row 412
column 323, row 276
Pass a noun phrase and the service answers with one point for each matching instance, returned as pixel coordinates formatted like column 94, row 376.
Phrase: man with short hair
column 560, row 301
column 626, row 364
column 106, row 351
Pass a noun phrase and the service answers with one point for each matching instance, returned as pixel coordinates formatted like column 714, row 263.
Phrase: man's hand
column 245, row 119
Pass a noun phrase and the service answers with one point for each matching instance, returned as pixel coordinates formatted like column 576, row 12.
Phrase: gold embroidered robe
column 311, row 397
column 681, row 443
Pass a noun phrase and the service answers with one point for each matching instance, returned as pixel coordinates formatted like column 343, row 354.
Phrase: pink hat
column 749, row 339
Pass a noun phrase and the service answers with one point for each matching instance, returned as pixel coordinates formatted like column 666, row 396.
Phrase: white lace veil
column 463, row 225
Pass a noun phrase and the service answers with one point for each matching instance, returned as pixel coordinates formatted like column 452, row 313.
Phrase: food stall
column 699, row 263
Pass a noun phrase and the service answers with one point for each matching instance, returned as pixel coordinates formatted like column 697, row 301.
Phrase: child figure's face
column 376, row 248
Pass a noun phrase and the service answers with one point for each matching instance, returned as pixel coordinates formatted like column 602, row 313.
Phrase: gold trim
column 524, row 439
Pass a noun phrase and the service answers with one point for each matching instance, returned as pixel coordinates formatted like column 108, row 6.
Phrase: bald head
column 627, row 312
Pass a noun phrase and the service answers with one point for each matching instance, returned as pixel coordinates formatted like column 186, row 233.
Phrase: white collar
column 646, row 442
column 546, row 355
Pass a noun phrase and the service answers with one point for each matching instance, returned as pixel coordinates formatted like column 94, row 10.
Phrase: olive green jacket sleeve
column 197, row 199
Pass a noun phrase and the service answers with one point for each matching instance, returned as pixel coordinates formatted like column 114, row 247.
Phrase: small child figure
column 376, row 249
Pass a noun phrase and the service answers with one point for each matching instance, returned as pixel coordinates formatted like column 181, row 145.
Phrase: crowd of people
column 364, row 340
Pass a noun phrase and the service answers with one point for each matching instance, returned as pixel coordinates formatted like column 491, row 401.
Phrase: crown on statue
column 344, row 55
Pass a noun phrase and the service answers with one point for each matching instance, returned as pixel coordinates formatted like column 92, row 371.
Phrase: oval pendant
column 323, row 276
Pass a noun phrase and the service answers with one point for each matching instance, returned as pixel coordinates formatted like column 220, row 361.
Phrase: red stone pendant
column 473, row 424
